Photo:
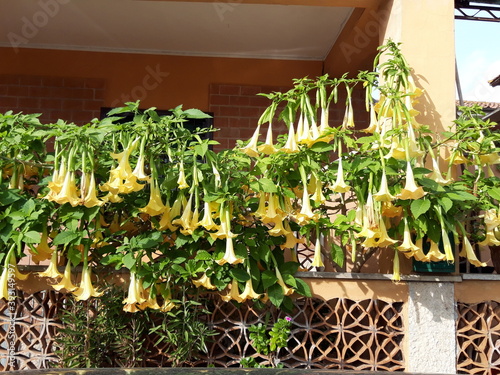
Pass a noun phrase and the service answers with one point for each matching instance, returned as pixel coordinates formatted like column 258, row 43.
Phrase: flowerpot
column 434, row 267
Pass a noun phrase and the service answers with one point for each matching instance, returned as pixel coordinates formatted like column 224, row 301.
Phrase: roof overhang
column 304, row 30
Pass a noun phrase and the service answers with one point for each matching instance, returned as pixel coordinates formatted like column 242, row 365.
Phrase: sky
column 477, row 46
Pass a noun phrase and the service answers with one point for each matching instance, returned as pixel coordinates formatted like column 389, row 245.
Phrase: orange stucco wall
column 158, row 80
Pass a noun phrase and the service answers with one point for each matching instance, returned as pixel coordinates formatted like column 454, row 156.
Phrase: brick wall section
column 77, row 100
column 237, row 109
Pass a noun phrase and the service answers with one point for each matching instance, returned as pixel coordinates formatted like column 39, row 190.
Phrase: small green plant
column 268, row 343
column 183, row 330
column 97, row 333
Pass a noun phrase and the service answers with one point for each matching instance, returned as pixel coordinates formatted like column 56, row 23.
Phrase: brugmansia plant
column 151, row 196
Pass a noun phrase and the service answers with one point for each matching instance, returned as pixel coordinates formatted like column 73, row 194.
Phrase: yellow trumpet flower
column 130, row 185
column 181, row 180
column 186, row 218
column 123, row 170
column 167, row 300
column 229, row 256
column 291, row 143
column 468, row 252
column 348, row 121
column 52, row 270
column 407, row 245
column 235, row 291
column 65, row 282
column 419, row 253
column 113, row 185
column 155, row 205
column 490, row 239
column 205, row 282
column 286, row 290
column 134, row 295
column 390, row 210
column 166, row 220
column 318, row 258
column 411, row 190
column 86, row 289
column 396, row 274
column 225, row 226
column 434, row 254
column 397, row 150
column 268, row 147
column 278, row 229
column 42, row 251
column 249, row 292
column 384, row 195
column 139, row 171
column 291, row 239
column 150, row 302
column 207, row 221
column 271, row 215
column 306, row 214
column 436, row 174
column 324, row 126
column 90, row 199
column 4, row 284
column 340, row 186
column 373, row 126
column 380, row 237
column 68, row 193
column 251, row 148
column 57, row 182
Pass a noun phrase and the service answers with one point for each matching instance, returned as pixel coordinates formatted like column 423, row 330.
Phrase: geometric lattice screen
column 30, row 329
column 335, row 334
column 478, row 338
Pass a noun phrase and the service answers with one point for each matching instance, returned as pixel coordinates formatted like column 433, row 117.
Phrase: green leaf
column 181, row 240
column 268, row 279
column 239, row 274
column 129, row 260
column 32, row 237
column 8, row 197
column 195, row 113
column 494, row 193
column 289, row 280
column 65, row 238
column 303, row 288
column 268, row 186
column 461, row 196
column 28, row 207
column 419, row 207
column 276, row 295
column 289, row 268
column 322, row 147
column 446, row 203
column 337, row 254
column 203, row 255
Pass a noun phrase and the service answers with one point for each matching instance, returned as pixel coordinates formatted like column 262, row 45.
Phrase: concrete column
column 431, row 340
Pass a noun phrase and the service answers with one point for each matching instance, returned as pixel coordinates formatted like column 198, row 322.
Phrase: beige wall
column 426, row 30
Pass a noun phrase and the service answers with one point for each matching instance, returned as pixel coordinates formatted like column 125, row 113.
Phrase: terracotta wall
column 75, row 100
column 157, row 80
column 237, row 109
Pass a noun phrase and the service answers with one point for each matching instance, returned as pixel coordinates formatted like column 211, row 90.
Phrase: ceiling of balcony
column 178, row 28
